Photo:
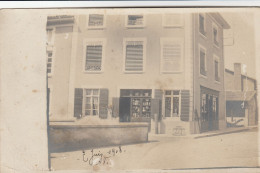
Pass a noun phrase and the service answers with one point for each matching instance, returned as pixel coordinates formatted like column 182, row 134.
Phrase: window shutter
column 156, row 105
column 134, row 56
column 158, row 94
column 103, row 103
column 185, row 105
column 93, row 58
column 115, row 108
column 78, row 99
column 172, row 55
column 96, row 20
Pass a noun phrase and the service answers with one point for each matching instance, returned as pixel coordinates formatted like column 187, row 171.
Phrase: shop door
column 124, row 109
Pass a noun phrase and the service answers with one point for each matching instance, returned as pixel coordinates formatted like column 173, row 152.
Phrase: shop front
column 209, row 117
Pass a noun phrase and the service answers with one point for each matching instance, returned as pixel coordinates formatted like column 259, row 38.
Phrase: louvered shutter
column 172, row 55
column 96, row 20
column 93, row 58
column 115, row 107
column 135, row 20
column 78, row 99
column 103, row 103
column 134, row 56
column 185, row 105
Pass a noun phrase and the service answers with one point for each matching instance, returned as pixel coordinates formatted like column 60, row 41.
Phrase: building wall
column 211, row 50
column 113, row 77
column 58, row 82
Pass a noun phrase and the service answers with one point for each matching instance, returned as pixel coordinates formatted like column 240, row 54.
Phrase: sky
column 239, row 41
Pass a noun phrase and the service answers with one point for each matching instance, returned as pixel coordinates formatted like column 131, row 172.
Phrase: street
column 229, row 150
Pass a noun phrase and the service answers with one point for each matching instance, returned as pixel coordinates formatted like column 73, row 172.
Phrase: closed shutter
column 185, row 105
column 103, row 103
column 134, row 56
column 172, row 55
column 78, row 99
column 135, row 20
column 96, row 20
column 115, row 107
column 158, row 94
column 93, row 58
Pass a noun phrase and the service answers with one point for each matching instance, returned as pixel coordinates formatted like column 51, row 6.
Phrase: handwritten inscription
column 97, row 158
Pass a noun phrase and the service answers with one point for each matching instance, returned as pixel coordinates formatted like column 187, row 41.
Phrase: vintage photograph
column 152, row 89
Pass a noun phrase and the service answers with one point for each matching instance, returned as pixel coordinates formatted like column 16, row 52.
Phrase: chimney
column 237, row 77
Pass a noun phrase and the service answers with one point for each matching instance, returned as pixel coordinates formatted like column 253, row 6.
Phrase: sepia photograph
column 130, row 89
column 151, row 89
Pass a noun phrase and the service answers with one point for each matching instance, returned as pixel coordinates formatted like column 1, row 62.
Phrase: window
column 203, row 65
column 216, row 68
column 49, row 62
column 202, row 24
column 171, row 55
column 172, row 103
column 172, row 20
column 134, row 55
column 215, row 35
column 94, row 56
column 135, row 21
column 91, row 106
column 96, row 21
column 50, row 36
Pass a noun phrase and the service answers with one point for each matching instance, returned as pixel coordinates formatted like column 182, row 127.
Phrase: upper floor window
column 171, row 55
column 216, row 68
column 94, row 56
column 202, row 28
column 135, row 21
column 50, row 36
column 134, row 55
column 96, row 21
column 215, row 35
column 172, row 20
column 203, row 61
column 49, row 62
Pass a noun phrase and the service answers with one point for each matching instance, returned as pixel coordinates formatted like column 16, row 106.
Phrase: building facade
column 166, row 68
column 241, row 97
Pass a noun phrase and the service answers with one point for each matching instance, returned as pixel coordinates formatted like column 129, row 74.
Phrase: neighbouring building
column 138, row 67
column 241, row 97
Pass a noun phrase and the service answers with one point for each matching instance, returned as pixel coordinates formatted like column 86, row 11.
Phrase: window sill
column 203, row 76
column 135, row 27
column 96, row 28
column 133, row 72
column 49, row 75
column 93, row 72
column 217, row 82
column 172, row 26
column 173, row 72
column 203, row 35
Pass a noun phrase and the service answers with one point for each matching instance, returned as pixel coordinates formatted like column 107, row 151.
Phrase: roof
column 239, row 95
column 244, row 76
column 220, row 20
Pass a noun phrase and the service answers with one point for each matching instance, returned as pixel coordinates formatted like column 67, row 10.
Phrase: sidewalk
column 159, row 137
